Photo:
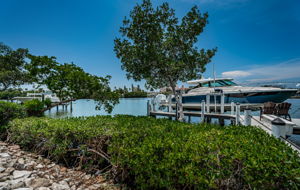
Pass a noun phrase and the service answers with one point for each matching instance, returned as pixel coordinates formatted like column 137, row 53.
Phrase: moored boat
column 233, row 92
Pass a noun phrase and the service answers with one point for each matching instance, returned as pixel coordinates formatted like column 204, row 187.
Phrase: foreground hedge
column 146, row 153
column 9, row 111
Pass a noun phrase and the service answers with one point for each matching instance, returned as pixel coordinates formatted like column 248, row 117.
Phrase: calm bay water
column 129, row 106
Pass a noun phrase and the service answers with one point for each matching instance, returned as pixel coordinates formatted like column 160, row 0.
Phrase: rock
column 51, row 165
column 21, row 161
column 39, row 166
column 39, row 182
column 17, row 183
column 14, row 147
column 25, row 188
column 4, row 185
column 63, row 169
column 9, row 170
column 21, row 173
column 4, row 155
column 43, row 188
column 4, row 177
column 2, row 170
column 56, row 186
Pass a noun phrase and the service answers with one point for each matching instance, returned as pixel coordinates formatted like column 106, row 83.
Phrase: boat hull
column 250, row 97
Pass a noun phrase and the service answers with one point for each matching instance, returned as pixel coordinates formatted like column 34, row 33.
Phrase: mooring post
column 148, row 108
column 232, row 108
column 247, row 117
column 278, row 128
column 170, row 103
column 222, row 103
column 153, row 105
column 202, row 110
column 237, row 115
column 208, row 103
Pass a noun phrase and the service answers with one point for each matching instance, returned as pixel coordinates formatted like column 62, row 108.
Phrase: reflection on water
column 128, row 106
column 131, row 106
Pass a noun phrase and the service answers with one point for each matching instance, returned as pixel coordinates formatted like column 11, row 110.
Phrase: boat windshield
column 219, row 83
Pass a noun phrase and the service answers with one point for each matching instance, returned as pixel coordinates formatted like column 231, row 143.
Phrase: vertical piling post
column 237, row 115
column 232, row 108
column 202, row 110
column 170, row 103
column 222, row 103
column 208, row 103
column 247, row 117
column 148, row 108
column 71, row 106
column 153, row 105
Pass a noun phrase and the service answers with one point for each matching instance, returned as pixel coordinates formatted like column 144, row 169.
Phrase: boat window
column 230, row 83
column 219, row 83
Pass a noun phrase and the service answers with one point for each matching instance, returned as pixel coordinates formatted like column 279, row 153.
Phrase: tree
column 157, row 48
column 70, row 82
column 12, row 62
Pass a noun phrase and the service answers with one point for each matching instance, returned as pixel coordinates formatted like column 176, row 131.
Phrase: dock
column 227, row 107
column 271, row 124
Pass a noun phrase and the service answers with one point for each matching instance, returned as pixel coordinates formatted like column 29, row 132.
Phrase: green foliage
column 158, row 48
column 34, row 107
column 137, row 94
column 9, row 94
column 12, row 64
column 9, row 111
column 69, row 81
column 146, row 153
column 47, row 102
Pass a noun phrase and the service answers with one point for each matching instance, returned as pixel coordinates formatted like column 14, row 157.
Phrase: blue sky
column 257, row 40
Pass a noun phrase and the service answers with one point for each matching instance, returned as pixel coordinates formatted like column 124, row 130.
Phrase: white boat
column 234, row 92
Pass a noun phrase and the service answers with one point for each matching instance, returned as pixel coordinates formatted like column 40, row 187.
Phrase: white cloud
column 278, row 71
column 236, row 74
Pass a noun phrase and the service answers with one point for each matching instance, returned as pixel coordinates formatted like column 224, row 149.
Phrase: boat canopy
column 203, row 81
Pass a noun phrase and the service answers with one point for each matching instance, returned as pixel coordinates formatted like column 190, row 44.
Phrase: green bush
column 34, row 107
column 9, row 94
column 145, row 153
column 9, row 111
column 47, row 102
column 136, row 94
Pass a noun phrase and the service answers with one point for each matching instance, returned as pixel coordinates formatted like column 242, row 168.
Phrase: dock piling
column 222, row 103
column 208, row 103
column 247, row 117
column 232, row 108
column 237, row 115
column 202, row 110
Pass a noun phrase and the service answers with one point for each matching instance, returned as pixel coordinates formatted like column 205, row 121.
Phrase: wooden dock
column 208, row 111
column 227, row 107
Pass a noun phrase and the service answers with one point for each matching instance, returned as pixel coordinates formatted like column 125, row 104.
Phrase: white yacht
column 234, row 92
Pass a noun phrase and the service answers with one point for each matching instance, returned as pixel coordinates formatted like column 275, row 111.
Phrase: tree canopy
column 12, row 62
column 69, row 81
column 158, row 48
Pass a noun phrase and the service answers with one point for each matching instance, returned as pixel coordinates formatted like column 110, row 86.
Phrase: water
column 130, row 106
